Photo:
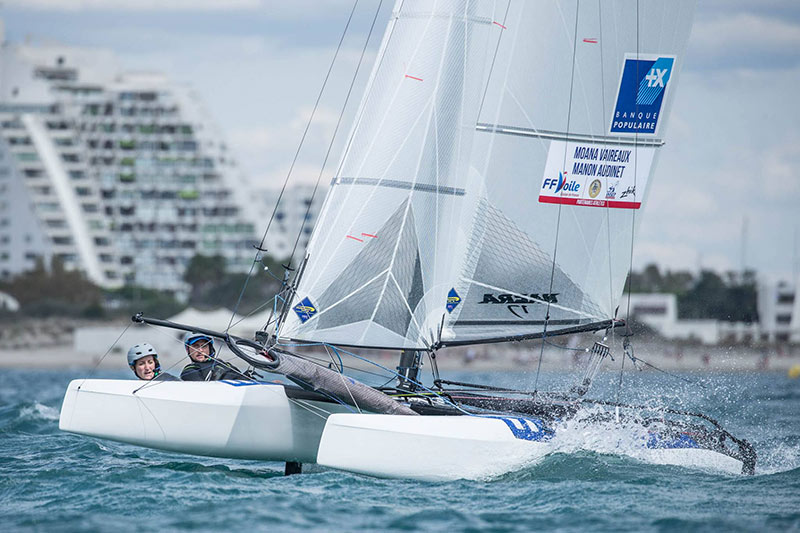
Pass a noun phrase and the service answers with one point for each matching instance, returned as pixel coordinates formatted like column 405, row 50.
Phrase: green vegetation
column 709, row 295
column 44, row 292
column 129, row 300
column 56, row 292
column 213, row 286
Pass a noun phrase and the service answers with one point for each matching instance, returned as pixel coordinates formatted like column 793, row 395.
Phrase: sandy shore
column 513, row 357
column 62, row 343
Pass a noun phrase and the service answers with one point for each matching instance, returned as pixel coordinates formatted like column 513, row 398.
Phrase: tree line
column 51, row 290
column 731, row 296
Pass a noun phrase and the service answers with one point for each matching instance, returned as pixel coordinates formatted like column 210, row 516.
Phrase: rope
column 554, row 345
column 420, row 385
column 344, row 381
column 619, row 384
column 654, row 367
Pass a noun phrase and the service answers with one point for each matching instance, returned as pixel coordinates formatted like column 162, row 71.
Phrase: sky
column 726, row 192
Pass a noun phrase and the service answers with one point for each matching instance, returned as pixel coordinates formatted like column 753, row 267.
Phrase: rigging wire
column 104, row 355
column 336, row 129
column 558, row 218
column 628, row 332
column 287, row 300
column 494, row 58
column 601, row 42
column 294, row 161
column 397, row 374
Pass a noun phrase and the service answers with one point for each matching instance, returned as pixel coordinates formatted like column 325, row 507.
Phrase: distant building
column 122, row 175
column 660, row 312
column 49, row 205
column 294, row 220
column 778, row 317
column 779, row 311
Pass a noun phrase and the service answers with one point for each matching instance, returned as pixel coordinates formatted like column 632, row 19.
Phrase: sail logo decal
column 595, row 188
column 642, row 88
column 517, row 305
column 562, row 186
column 489, row 298
column 453, row 299
column 527, row 428
column 305, row 310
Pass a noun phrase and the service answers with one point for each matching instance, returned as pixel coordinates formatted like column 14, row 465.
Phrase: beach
column 75, row 344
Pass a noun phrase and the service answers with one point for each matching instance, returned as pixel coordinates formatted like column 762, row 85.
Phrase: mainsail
column 490, row 185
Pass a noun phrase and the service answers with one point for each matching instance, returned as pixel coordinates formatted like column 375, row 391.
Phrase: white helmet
column 138, row 351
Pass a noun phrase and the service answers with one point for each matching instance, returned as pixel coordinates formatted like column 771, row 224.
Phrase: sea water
column 54, row 481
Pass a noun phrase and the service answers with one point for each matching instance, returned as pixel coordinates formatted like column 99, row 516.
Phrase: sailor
column 204, row 366
column 143, row 360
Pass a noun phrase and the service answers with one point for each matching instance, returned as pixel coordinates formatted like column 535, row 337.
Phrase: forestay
column 487, row 196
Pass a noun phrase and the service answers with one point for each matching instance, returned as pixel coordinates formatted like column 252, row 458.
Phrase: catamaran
column 488, row 192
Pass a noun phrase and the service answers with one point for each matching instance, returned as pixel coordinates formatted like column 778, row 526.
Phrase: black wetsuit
column 163, row 376
column 218, row 370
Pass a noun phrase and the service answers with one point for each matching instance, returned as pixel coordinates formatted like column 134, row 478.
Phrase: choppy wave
column 38, row 411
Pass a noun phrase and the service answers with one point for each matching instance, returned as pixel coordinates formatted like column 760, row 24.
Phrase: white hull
column 259, row 421
column 222, row 419
column 428, row 448
column 438, row 448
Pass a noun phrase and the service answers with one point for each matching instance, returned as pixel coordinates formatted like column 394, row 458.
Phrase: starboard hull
column 238, row 420
column 442, row 448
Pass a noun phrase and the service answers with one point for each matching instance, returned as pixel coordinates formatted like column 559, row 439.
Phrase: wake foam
column 777, row 458
column 584, row 438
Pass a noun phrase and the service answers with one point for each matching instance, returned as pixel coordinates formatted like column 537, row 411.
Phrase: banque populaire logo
column 642, row 88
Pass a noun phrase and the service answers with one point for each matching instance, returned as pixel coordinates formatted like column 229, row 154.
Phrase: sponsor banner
column 596, row 175
column 642, row 89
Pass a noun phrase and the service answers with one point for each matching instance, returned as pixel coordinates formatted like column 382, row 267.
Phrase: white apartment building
column 49, row 205
column 295, row 216
column 122, row 175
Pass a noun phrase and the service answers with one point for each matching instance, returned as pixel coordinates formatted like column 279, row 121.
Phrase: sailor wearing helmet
column 143, row 360
column 204, row 366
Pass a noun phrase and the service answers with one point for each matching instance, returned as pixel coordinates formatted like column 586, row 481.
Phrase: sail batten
column 565, row 136
column 455, row 185
column 401, row 184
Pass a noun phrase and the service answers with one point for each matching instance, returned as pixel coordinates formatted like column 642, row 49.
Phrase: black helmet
column 194, row 337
